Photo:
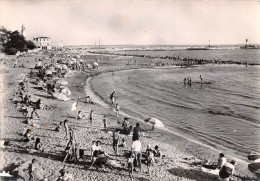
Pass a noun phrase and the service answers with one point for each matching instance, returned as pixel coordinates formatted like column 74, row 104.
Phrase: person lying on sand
column 81, row 115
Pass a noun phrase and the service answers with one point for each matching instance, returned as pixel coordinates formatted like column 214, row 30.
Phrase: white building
column 43, row 43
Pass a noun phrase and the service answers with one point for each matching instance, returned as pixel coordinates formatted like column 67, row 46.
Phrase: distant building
column 58, row 46
column 43, row 43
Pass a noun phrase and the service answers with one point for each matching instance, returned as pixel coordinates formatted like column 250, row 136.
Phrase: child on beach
column 38, row 145
column 123, row 144
column 149, row 158
column 130, row 164
column 157, row 152
column 31, row 169
column 105, row 122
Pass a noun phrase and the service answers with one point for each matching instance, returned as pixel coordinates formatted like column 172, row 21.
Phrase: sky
column 139, row 22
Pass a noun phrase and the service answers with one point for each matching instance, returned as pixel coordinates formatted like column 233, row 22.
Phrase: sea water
column 222, row 111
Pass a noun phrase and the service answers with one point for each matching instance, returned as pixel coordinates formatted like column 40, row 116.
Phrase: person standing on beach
column 91, row 116
column 113, row 96
column 221, row 161
column 105, row 122
column 117, row 111
column 184, row 81
column 136, row 132
column 66, row 128
column 136, row 149
column 200, row 79
column 115, row 141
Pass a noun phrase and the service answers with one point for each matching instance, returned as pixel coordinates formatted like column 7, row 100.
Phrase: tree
column 30, row 45
column 12, row 42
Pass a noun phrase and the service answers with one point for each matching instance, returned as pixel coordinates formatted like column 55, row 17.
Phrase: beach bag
column 225, row 172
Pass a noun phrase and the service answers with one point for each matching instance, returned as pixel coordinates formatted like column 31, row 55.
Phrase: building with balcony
column 43, row 43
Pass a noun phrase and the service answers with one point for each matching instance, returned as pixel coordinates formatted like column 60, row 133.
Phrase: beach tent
column 61, row 82
column 48, row 71
column 155, row 121
column 60, row 96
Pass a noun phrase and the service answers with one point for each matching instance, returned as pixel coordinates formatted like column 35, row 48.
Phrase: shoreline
column 96, row 98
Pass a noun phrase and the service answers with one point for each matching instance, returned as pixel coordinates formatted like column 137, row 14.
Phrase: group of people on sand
column 226, row 169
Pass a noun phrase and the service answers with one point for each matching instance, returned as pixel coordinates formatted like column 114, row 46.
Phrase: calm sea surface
column 223, row 112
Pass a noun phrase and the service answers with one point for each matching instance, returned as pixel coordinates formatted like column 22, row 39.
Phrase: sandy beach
column 183, row 157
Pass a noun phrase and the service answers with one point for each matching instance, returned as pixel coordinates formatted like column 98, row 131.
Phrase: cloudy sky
column 78, row 22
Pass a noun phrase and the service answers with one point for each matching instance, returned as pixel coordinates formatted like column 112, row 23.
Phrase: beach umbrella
column 155, row 121
column 60, row 96
column 48, row 71
column 62, row 82
column 95, row 64
column 64, row 67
